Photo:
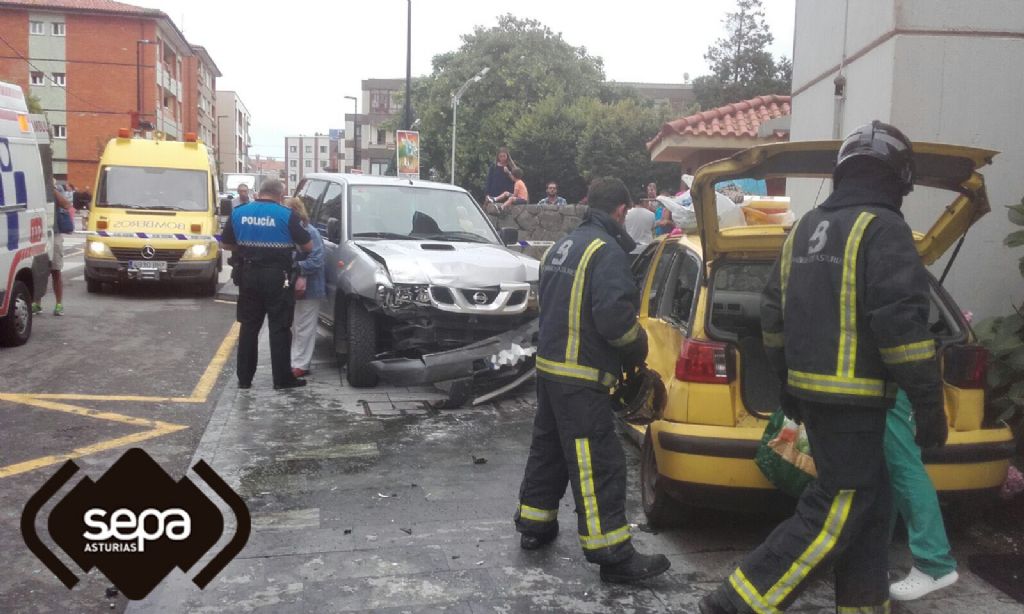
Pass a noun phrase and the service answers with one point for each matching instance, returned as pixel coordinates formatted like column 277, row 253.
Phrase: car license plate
column 148, row 265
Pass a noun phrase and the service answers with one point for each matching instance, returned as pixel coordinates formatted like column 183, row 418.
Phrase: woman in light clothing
column 310, row 288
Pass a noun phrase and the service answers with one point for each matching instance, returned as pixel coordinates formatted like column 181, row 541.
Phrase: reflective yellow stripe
column 576, row 371
column 818, row 550
column 746, row 590
column 860, row 386
column 534, row 513
column 773, row 340
column 787, row 261
column 847, row 359
column 630, row 336
column 866, row 609
column 593, row 542
column 572, row 344
column 587, row 491
column 911, row 352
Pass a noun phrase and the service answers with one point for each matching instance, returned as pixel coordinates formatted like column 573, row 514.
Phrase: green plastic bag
column 784, row 456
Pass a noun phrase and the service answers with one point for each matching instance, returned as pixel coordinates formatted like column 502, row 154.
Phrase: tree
column 528, row 63
column 741, row 65
column 33, row 103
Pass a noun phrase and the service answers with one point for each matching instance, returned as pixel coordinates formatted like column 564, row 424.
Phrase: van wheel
column 659, row 507
column 92, row 286
column 209, row 287
column 362, row 345
column 16, row 326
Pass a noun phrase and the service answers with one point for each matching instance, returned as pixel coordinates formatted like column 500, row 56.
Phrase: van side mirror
column 509, row 236
column 225, row 207
column 334, row 230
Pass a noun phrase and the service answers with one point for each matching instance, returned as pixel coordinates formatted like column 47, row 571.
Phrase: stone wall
column 538, row 222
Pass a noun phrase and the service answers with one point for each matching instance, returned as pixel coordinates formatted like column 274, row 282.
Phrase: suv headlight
column 98, row 249
column 198, row 251
column 403, row 295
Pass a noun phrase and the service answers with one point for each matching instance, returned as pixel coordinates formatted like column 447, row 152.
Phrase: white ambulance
column 26, row 195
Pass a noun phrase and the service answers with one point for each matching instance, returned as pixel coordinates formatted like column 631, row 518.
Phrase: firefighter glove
column 932, row 429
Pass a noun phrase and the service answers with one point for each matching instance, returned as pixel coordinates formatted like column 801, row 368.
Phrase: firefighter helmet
column 884, row 143
column 641, row 396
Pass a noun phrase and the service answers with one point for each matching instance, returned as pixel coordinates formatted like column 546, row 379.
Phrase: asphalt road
column 139, row 367
column 361, row 500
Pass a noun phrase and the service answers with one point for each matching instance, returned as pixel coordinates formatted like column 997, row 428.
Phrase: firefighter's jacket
column 845, row 313
column 588, row 305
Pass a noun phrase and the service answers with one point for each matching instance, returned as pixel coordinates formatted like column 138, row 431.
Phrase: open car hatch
column 947, row 167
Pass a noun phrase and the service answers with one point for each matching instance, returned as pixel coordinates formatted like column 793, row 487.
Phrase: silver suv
column 421, row 287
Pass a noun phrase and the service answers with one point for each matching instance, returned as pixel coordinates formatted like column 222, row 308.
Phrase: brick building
column 97, row 65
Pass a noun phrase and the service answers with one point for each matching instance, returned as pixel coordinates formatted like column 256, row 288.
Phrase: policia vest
column 850, row 279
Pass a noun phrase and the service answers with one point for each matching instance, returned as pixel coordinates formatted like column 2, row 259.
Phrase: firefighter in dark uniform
column 264, row 234
column 588, row 336
column 850, row 266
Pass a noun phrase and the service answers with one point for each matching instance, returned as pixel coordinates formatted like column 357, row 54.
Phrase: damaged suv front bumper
column 508, row 354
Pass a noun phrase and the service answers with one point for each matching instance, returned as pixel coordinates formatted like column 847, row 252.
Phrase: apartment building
column 202, row 72
column 307, row 154
column 96, row 66
column 233, row 138
column 369, row 147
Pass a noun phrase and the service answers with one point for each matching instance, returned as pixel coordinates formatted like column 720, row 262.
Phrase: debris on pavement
column 1014, row 484
column 111, row 591
column 479, row 460
column 407, row 531
column 384, row 496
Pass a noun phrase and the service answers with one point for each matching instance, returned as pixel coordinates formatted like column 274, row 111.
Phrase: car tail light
column 709, row 362
column 966, row 366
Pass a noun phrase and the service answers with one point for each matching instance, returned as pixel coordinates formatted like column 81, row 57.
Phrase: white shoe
column 917, row 584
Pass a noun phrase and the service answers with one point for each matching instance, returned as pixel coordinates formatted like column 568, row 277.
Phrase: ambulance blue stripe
column 12, row 230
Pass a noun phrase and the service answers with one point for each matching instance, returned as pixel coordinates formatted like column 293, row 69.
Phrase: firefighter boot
column 533, row 541
column 637, row 567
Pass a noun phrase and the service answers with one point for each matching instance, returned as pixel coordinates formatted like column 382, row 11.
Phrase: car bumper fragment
column 509, row 351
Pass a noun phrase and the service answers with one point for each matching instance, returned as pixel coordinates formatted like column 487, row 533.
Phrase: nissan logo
column 148, row 252
column 479, row 298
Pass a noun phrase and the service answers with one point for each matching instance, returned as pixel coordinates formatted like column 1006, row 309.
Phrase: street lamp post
column 355, row 138
column 455, row 109
column 138, row 78
column 408, row 69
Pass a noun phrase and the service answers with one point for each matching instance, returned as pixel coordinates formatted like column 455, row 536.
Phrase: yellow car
column 700, row 303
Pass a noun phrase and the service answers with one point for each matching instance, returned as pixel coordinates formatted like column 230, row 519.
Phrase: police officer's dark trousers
column 841, row 519
column 262, row 293
column 574, row 442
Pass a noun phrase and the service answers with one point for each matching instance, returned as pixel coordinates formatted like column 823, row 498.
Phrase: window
column 293, row 149
column 57, row 28
column 331, row 207
column 378, row 167
column 35, row 27
column 323, row 164
column 60, row 79
column 323, row 149
column 36, row 78
column 60, row 131
column 382, row 136
column 311, row 192
column 308, row 164
column 292, row 177
column 293, row 163
column 309, row 149
column 683, row 294
column 661, row 277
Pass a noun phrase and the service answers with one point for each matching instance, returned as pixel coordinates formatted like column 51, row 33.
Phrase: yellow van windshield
column 138, row 187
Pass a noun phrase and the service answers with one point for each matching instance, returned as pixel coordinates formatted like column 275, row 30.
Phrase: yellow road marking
column 209, row 378
column 156, row 428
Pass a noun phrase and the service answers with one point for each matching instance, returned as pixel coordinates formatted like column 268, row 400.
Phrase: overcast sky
column 292, row 62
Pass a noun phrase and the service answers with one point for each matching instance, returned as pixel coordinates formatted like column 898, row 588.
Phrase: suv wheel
column 660, row 509
column 92, row 286
column 362, row 345
column 16, row 326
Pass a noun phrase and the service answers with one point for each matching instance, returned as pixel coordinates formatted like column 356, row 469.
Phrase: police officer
column 265, row 233
column 588, row 335
column 850, row 266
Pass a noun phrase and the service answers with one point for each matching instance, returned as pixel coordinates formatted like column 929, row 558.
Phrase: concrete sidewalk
column 366, row 500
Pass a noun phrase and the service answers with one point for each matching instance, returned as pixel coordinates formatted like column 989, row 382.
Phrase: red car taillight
column 966, row 366
column 708, row 362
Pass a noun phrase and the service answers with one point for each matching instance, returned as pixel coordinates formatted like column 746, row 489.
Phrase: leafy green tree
column 528, row 63
column 545, row 141
column 34, row 106
column 614, row 143
column 741, row 65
